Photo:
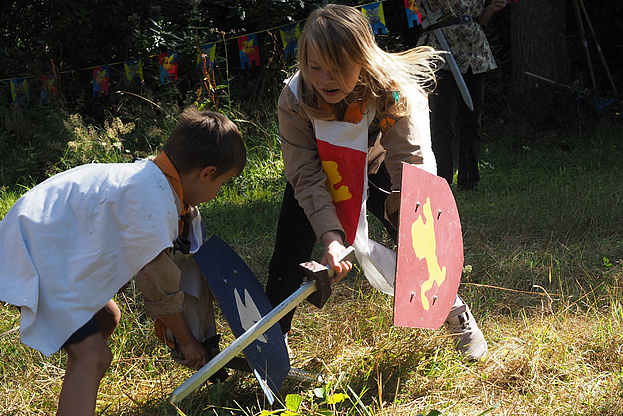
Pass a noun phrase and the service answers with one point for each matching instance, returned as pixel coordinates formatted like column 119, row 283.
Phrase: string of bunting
column 248, row 48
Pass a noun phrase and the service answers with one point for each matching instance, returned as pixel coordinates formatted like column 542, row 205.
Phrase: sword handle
column 348, row 254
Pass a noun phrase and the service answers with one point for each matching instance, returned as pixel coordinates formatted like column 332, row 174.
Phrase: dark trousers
column 295, row 241
column 447, row 106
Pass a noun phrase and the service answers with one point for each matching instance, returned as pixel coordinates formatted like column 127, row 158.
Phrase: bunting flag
column 49, row 87
column 134, row 71
column 209, row 52
column 168, row 66
column 101, row 78
column 290, row 35
column 413, row 13
column 249, row 51
column 374, row 13
column 19, row 92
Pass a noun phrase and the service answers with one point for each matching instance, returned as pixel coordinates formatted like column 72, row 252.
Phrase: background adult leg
column 470, row 140
column 444, row 107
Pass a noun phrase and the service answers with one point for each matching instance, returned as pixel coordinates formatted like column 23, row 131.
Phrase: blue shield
column 243, row 302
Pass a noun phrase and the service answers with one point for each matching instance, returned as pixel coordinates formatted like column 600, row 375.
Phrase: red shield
column 430, row 251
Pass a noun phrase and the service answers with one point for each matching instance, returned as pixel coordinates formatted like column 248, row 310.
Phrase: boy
column 70, row 243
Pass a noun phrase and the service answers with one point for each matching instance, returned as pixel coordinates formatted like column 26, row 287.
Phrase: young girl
column 348, row 119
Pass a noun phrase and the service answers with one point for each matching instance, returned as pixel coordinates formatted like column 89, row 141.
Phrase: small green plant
column 606, row 262
column 292, row 406
column 431, row 413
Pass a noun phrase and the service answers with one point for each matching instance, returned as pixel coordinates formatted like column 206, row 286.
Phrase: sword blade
column 454, row 68
column 243, row 341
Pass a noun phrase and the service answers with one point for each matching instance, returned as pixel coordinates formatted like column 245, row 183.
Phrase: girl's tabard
column 343, row 151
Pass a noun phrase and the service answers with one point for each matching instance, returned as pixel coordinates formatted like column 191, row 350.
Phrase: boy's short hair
column 205, row 138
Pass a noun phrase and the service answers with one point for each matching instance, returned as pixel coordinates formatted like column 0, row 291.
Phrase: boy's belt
column 450, row 22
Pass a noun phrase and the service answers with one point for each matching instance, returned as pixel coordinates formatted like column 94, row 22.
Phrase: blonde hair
column 341, row 35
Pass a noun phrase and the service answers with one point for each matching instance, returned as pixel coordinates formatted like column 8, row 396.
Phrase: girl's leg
column 294, row 245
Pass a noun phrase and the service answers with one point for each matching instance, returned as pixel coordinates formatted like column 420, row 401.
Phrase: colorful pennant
column 49, row 87
column 290, row 35
column 168, row 66
column 374, row 13
column 249, row 51
column 209, row 53
column 101, row 78
column 19, row 92
column 413, row 13
column 134, row 71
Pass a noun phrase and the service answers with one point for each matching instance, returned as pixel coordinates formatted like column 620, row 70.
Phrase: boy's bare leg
column 87, row 362
column 108, row 318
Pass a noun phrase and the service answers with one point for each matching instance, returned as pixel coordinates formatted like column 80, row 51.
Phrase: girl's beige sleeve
column 303, row 168
column 408, row 140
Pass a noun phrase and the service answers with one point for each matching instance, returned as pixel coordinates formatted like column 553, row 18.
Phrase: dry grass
column 545, row 286
column 558, row 358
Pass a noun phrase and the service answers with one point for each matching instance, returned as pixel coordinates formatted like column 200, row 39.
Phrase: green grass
column 543, row 237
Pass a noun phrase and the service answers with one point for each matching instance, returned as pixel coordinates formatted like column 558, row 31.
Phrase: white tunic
column 70, row 243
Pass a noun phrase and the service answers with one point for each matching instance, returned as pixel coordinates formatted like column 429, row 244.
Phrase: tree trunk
column 539, row 47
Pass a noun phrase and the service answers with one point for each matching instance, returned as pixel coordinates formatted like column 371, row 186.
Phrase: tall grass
column 543, row 238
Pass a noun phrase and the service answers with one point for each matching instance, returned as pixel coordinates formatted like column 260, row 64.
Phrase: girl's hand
column 333, row 247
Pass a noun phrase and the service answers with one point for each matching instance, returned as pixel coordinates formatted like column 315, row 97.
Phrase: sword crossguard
column 322, row 275
column 431, row 18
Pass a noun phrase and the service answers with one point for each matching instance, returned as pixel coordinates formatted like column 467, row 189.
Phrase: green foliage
column 607, row 262
column 91, row 144
column 31, row 141
column 40, row 141
column 72, row 35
